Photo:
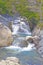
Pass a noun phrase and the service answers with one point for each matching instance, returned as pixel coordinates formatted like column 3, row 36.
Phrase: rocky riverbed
column 27, row 55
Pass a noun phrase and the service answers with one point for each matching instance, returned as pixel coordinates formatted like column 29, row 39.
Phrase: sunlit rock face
column 5, row 36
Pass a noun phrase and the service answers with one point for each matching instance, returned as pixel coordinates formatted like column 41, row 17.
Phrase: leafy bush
column 40, row 25
column 33, row 23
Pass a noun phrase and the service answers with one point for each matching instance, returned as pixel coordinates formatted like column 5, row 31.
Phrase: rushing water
column 26, row 54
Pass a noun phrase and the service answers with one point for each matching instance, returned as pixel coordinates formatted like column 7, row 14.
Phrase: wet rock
column 29, row 39
column 33, row 39
column 10, row 25
column 10, row 61
column 23, row 43
column 20, row 41
column 5, row 36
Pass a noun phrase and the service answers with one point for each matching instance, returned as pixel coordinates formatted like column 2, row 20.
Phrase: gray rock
column 38, row 42
column 5, row 36
column 10, row 61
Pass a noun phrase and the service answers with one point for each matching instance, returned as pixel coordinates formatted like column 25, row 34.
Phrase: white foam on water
column 28, row 48
column 15, row 29
column 20, row 25
column 13, row 47
column 24, row 27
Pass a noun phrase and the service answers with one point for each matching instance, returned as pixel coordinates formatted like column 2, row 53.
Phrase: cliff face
column 39, row 45
column 38, row 29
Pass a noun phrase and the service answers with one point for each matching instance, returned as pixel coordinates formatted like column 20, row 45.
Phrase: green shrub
column 40, row 25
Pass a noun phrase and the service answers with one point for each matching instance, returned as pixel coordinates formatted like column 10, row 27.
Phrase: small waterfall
column 19, row 26
column 15, row 29
column 20, row 31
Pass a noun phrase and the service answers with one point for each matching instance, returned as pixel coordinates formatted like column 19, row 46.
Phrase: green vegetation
column 2, row 7
column 21, row 6
column 40, row 25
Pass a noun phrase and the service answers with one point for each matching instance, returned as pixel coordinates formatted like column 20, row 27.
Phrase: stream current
column 26, row 53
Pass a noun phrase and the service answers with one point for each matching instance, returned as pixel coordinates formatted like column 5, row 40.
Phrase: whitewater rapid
column 30, row 47
column 20, row 29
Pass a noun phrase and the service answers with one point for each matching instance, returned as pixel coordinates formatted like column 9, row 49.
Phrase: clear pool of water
column 26, row 57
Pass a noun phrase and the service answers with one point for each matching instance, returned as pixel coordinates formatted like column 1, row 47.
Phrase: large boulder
column 10, row 61
column 5, row 36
